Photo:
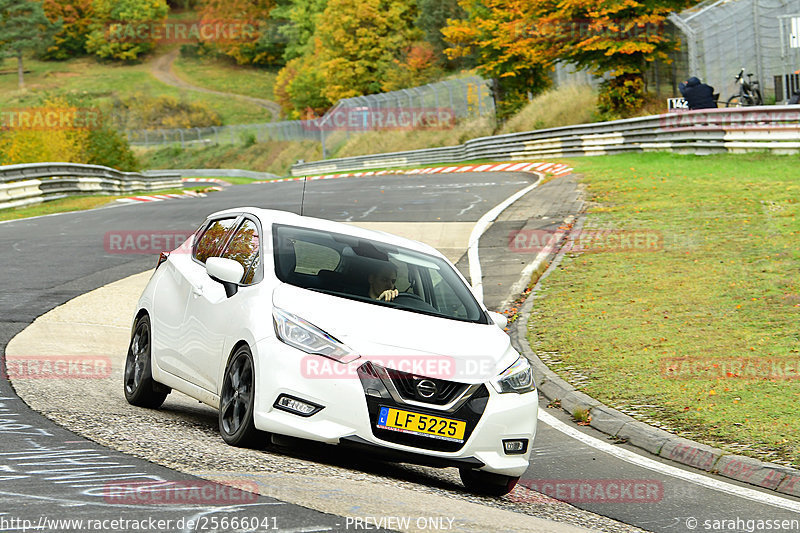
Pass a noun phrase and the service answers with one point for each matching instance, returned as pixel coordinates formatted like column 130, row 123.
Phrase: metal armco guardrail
column 212, row 173
column 771, row 128
column 37, row 182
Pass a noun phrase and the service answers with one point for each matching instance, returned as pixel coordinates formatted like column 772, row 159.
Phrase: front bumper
column 348, row 414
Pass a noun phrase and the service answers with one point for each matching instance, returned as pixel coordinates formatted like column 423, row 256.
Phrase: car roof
column 275, row 216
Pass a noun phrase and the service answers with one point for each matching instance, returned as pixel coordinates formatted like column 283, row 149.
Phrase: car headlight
column 305, row 336
column 516, row 378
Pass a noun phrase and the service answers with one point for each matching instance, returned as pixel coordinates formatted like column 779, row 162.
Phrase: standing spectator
column 698, row 95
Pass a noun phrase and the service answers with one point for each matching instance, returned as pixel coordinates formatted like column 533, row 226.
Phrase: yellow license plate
column 419, row 424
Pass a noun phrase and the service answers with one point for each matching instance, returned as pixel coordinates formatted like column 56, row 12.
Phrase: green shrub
column 109, row 148
column 142, row 111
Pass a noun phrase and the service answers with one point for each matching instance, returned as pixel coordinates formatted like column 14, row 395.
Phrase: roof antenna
column 303, row 198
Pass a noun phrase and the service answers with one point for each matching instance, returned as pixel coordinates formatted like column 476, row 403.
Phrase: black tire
column 757, row 100
column 140, row 389
column 237, row 400
column 734, row 101
column 487, row 483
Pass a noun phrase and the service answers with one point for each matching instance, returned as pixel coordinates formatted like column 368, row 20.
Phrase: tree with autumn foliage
column 417, row 66
column 516, row 41
column 76, row 18
column 618, row 39
column 258, row 43
column 300, row 88
column 493, row 33
column 433, row 16
column 360, row 41
column 301, row 17
column 115, row 29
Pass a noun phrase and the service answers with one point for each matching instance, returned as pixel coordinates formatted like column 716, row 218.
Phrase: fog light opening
column 515, row 446
column 296, row 406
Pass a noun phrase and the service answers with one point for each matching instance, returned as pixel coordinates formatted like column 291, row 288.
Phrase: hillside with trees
column 319, row 51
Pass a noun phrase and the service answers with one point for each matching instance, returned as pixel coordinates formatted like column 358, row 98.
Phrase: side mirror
column 499, row 319
column 226, row 271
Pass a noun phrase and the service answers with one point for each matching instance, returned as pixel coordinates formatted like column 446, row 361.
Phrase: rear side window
column 213, row 238
column 245, row 248
column 312, row 257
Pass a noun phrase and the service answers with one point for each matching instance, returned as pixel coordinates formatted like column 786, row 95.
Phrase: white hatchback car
column 324, row 331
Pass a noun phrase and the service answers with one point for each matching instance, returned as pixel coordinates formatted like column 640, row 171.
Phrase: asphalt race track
column 48, row 471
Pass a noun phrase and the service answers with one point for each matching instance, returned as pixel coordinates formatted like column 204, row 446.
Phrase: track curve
column 57, row 258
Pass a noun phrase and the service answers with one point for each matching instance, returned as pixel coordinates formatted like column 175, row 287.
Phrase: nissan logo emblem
column 426, row 388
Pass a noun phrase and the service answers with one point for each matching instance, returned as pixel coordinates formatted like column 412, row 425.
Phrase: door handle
column 197, row 290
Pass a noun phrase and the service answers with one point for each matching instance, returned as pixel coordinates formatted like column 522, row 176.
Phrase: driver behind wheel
column 381, row 282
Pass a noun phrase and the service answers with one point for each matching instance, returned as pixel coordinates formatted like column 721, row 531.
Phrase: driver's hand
column 389, row 295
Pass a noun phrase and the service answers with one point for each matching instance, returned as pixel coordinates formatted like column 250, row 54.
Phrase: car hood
column 404, row 340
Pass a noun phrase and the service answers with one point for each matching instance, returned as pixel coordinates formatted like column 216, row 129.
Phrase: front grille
column 376, row 381
column 470, row 412
column 408, row 387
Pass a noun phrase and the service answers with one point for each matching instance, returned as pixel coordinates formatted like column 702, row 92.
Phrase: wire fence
column 720, row 37
column 436, row 105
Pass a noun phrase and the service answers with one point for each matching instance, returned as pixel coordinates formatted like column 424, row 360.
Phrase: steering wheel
column 413, row 301
column 410, row 295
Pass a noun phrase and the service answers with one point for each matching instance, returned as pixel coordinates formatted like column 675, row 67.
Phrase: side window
column 403, row 284
column 312, row 257
column 245, row 248
column 446, row 300
column 213, row 238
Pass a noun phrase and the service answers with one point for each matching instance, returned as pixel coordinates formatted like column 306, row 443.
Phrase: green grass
column 103, row 81
column 221, row 75
column 565, row 106
column 76, row 203
column 276, row 157
column 399, row 140
column 724, row 286
column 233, row 180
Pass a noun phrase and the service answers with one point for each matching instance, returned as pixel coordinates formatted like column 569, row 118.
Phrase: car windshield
column 354, row 267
